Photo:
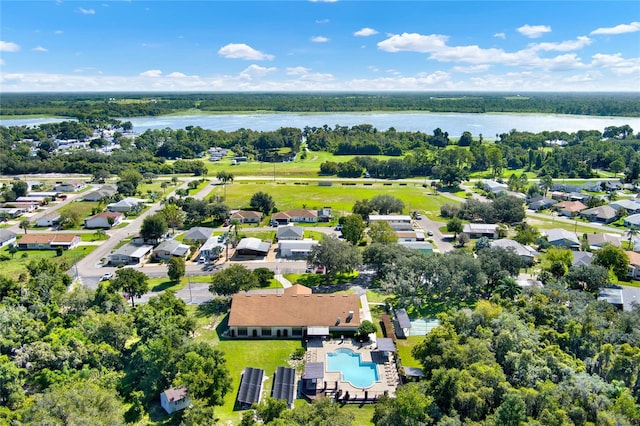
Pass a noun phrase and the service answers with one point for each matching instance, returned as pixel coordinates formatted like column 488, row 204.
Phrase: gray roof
column 601, row 212
column 557, row 234
column 541, row 202
column 403, row 318
column 133, row 250
column 199, row 233
column 6, row 235
column 626, row 204
column 634, row 219
column 305, row 245
column 254, row 244
column 313, row 370
column 612, row 295
column 601, row 239
column 474, row 228
column 582, row 258
column 385, row 344
column 493, row 186
column 416, row 245
column 290, row 231
column 173, row 247
column 521, row 250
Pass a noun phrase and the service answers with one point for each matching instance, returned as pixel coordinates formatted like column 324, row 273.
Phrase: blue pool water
column 359, row 374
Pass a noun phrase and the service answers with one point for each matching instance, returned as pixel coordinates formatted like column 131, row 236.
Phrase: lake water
column 486, row 124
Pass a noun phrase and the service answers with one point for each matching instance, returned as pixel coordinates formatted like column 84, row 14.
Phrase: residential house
column 578, row 196
column 198, row 234
column 105, row 220
column 397, row 222
column 294, row 314
column 40, row 201
column 297, row 215
column 48, row 241
column 170, row 248
column 423, row 246
column 289, row 232
column 212, row 248
column 325, row 215
column 46, row 221
column 126, row 205
column 408, row 236
column 25, row 207
column 569, row 208
column 612, row 295
column 7, row 237
column 541, row 203
column 559, row 237
column 526, row 253
column 582, row 258
column 564, row 187
column 478, row 230
column 632, row 221
column 253, row 247
column 299, row 249
column 49, row 195
column 130, row 254
column 105, row 191
column 634, row 265
column 174, row 399
column 596, row 241
column 247, row 216
column 69, row 186
column 602, row 214
column 10, row 212
column 632, row 207
column 494, row 187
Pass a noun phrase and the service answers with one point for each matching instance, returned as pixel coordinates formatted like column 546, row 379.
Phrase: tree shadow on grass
column 165, row 285
column 215, row 306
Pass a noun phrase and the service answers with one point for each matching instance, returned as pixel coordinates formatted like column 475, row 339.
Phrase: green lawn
column 14, row 266
column 287, row 195
column 404, row 347
column 91, row 237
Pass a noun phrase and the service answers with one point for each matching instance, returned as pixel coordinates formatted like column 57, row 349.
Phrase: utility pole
column 190, row 295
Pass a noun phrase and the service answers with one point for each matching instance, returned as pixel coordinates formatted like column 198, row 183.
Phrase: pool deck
column 388, row 378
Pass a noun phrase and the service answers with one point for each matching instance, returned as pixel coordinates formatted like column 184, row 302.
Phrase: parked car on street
column 108, row 276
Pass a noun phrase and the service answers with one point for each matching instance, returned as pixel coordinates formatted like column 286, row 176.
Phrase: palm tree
column 224, row 177
column 24, row 224
column 632, row 234
column 508, row 288
column 236, row 224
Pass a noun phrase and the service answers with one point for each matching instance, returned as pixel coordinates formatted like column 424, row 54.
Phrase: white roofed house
column 212, row 248
column 108, row 190
column 526, row 253
column 7, row 237
column 130, row 254
column 296, row 248
column 397, row 222
column 51, row 219
column 170, row 248
column 478, row 230
column 632, row 207
column 253, row 247
column 126, row 205
column 69, row 186
column 494, row 187
column 105, row 220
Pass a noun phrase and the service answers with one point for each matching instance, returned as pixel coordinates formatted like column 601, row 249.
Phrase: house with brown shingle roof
column 294, row 314
column 634, row 264
column 48, row 241
column 297, row 215
column 569, row 208
column 247, row 216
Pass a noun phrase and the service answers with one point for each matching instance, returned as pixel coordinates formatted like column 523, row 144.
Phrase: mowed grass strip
column 289, row 195
column 16, row 264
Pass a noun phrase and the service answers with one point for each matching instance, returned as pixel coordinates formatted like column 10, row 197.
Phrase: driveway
column 442, row 241
column 630, row 296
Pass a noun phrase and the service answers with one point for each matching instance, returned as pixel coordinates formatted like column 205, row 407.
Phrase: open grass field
column 308, row 167
column 307, row 194
column 13, row 266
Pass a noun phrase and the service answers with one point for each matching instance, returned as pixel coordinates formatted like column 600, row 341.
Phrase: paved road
column 630, row 296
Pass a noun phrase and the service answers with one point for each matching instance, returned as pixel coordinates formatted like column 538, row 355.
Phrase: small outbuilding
column 174, row 399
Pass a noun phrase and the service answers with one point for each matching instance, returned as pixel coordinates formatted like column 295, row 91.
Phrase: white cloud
column 563, row 46
column 413, row 43
column 151, row 73
column 319, row 39
column 297, row 70
column 616, row 64
column 243, row 51
column 365, row 32
column 58, row 32
column 254, row 70
column 500, row 35
column 472, row 69
column 322, row 21
column 534, row 31
column 176, row 74
column 86, row 11
column 373, row 68
column 40, row 49
column 317, row 77
column 618, row 29
column 7, row 46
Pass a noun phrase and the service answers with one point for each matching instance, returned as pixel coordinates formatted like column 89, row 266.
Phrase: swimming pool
column 359, row 374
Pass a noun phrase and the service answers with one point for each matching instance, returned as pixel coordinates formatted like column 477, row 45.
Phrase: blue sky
column 319, row 46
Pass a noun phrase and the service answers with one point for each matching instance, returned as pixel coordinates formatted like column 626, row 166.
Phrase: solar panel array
column 250, row 386
column 284, row 384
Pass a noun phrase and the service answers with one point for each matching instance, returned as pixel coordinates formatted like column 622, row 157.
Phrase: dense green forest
column 414, row 154
column 104, row 105
column 547, row 356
